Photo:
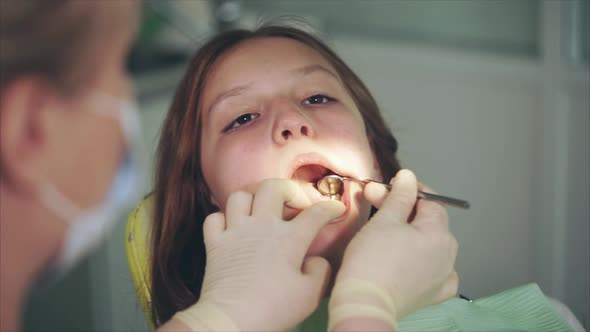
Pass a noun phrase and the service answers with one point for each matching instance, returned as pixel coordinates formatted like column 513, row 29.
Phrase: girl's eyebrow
column 240, row 89
column 306, row 70
column 235, row 91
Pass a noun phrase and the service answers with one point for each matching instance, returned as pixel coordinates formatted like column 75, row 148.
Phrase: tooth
column 335, row 197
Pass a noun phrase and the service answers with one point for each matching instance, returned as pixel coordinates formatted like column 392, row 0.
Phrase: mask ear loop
column 127, row 115
column 57, row 203
column 125, row 112
column 52, row 199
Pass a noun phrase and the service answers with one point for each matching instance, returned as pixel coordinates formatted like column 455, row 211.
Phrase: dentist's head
column 67, row 135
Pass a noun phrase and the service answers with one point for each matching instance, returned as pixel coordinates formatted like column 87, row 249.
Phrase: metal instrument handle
column 460, row 203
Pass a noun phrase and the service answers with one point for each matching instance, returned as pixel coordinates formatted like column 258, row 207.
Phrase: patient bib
column 523, row 308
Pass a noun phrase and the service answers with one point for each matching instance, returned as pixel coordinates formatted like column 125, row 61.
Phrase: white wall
column 511, row 135
column 577, row 270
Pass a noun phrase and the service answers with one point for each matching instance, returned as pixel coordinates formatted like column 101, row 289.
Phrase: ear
column 23, row 131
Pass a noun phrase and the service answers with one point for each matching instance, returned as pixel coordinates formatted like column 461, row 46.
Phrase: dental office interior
column 489, row 101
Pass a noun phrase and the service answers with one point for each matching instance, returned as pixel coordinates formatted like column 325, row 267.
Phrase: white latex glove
column 410, row 263
column 256, row 272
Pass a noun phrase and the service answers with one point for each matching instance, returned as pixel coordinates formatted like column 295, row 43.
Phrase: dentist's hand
column 257, row 273
column 395, row 263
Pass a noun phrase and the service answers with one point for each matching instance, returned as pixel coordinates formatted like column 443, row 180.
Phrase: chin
column 333, row 238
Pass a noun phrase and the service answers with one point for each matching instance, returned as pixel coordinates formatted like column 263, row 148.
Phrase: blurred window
column 499, row 26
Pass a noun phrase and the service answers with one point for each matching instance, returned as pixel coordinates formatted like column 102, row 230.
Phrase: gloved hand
column 393, row 267
column 257, row 274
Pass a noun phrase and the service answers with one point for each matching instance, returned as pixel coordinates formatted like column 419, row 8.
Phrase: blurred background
column 489, row 101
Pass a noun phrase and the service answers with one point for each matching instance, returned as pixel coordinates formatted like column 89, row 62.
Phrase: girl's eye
column 318, row 99
column 242, row 120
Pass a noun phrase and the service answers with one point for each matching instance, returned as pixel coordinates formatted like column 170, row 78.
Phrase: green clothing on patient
column 523, row 308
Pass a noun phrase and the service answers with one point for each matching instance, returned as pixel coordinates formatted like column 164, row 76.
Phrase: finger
column 272, row 195
column 239, row 206
column 431, row 216
column 448, row 289
column 431, row 211
column 213, row 226
column 421, row 188
column 317, row 270
column 309, row 222
column 399, row 203
column 375, row 193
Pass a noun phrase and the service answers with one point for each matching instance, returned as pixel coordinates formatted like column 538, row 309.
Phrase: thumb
column 317, row 270
column 398, row 204
column 213, row 227
column 448, row 289
column 310, row 221
column 375, row 194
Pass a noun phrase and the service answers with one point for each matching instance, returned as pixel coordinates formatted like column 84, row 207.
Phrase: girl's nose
column 290, row 124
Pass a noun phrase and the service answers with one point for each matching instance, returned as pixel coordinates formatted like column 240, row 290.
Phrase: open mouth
column 308, row 168
column 311, row 173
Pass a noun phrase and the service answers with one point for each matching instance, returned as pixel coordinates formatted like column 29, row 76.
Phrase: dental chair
column 137, row 248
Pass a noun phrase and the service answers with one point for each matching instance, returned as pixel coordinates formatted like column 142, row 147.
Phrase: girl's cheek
column 238, row 171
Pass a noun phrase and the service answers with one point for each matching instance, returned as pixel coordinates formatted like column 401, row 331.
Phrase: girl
column 278, row 103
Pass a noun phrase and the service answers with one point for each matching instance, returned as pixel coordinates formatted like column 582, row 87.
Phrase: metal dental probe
column 333, row 185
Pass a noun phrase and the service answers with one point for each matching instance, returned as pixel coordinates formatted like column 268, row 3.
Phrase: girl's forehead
column 274, row 48
column 265, row 56
column 259, row 60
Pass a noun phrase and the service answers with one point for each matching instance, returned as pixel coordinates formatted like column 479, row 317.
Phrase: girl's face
column 275, row 108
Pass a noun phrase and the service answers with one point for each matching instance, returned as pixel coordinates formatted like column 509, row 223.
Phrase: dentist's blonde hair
column 57, row 41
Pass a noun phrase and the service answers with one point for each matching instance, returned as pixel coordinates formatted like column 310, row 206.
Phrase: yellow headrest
column 137, row 248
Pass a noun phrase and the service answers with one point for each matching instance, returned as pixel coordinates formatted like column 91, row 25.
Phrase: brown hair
column 55, row 40
column 182, row 199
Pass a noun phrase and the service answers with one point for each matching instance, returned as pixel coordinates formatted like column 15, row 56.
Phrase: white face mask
column 88, row 227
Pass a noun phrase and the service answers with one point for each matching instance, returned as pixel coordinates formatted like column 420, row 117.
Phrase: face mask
column 88, row 227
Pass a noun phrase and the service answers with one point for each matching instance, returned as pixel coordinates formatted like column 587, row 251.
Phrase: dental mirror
column 331, row 185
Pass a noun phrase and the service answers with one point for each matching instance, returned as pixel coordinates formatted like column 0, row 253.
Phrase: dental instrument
column 333, row 185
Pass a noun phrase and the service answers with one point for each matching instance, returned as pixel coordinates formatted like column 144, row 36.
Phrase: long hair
column 182, row 198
